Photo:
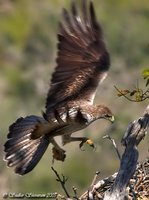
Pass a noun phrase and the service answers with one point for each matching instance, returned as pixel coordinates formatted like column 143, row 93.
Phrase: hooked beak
column 112, row 119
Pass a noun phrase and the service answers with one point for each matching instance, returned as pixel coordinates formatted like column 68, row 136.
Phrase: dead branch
column 75, row 193
column 62, row 181
column 87, row 193
column 114, row 145
column 119, row 156
column 133, row 136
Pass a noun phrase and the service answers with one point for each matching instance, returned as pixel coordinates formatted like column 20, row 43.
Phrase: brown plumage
column 82, row 60
column 82, row 63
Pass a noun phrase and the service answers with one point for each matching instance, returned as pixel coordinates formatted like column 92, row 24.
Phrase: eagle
column 82, row 63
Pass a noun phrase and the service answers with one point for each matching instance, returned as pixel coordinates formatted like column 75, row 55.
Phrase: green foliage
column 145, row 75
column 14, row 26
column 23, row 86
column 137, row 94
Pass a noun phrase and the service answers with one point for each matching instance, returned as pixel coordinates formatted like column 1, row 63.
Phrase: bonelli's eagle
column 82, row 63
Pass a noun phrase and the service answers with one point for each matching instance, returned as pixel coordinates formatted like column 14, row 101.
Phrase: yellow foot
column 58, row 154
column 89, row 142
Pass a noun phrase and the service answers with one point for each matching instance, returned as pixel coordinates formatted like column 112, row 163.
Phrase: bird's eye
column 110, row 117
column 107, row 116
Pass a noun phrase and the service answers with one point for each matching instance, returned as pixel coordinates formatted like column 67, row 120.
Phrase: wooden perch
column 133, row 136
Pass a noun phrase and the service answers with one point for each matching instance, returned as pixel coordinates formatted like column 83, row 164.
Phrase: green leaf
column 145, row 73
column 138, row 95
column 147, row 82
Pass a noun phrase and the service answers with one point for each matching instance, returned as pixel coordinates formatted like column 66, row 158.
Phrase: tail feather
column 22, row 152
column 11, row 143
column 23, row 126
column 31, row 161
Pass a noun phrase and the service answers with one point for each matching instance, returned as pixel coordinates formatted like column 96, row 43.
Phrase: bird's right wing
column 82, row 60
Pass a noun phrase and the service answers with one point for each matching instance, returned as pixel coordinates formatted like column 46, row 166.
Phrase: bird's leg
column 68, row 138
column 58, row 152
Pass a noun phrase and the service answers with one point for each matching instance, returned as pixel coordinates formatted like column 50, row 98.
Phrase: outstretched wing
column 82, row 60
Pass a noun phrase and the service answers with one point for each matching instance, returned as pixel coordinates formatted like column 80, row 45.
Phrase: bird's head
column 105, row 113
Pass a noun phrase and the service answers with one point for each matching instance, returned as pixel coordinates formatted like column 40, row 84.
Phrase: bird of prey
column 82, row 63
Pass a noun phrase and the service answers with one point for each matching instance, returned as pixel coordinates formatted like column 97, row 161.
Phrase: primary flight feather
column 82, row 63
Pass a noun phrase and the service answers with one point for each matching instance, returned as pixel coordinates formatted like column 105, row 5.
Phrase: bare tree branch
column 114, row 144
column 75, row 193
column 88, row 193
column 62, row 181
column 133, row 136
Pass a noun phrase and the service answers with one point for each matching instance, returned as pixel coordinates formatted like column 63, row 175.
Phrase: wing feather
column 82, row 59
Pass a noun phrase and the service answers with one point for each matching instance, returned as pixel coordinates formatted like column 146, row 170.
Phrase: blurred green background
column 27, row 58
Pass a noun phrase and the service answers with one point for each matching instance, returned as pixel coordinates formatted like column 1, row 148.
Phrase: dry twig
column 62, row 181
column 114, row 145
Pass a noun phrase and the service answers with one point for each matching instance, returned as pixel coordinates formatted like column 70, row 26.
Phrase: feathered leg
column 58, row 152
column 68, row 138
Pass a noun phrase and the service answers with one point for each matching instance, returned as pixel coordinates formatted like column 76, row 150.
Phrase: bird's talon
column 89, row 142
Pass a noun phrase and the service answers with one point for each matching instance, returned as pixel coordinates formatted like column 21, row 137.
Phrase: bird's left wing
column 82, row 60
